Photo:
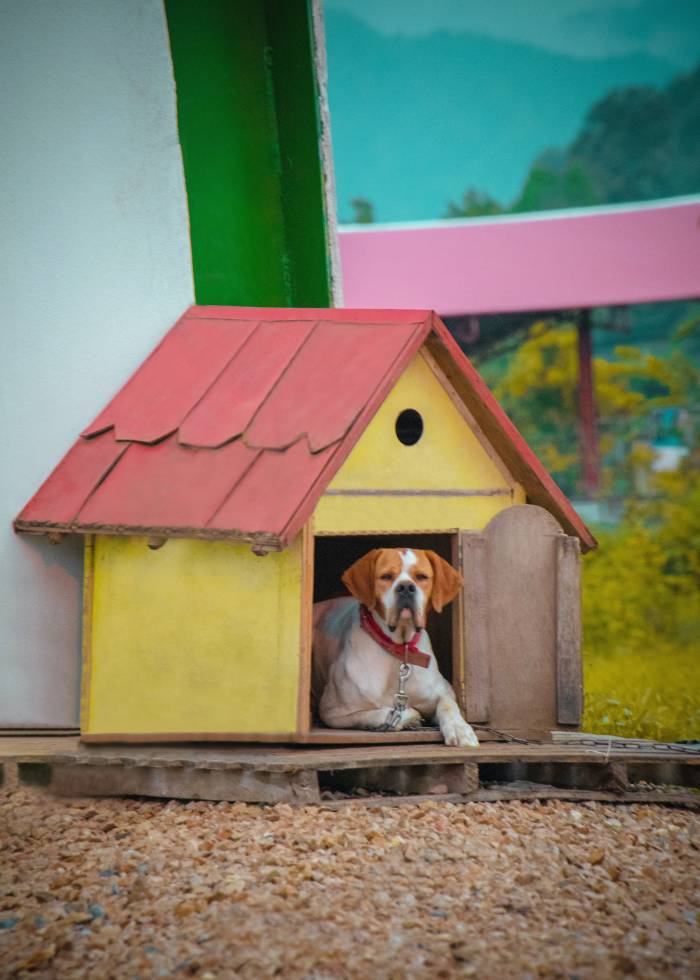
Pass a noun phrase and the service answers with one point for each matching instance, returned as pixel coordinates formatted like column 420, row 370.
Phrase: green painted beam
column 249, row 130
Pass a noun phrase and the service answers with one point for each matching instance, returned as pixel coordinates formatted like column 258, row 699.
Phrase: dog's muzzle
column 406, row 605
column 406, row 596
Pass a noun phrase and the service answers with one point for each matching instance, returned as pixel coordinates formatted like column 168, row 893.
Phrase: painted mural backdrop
column 463, row 108
column 471, row 107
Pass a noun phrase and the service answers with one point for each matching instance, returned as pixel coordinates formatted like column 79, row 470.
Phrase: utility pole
column 587, row 414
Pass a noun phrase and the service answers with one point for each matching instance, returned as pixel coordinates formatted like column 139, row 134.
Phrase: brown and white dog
column 359, row 645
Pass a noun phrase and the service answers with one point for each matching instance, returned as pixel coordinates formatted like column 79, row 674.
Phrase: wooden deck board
column 269, row 758
column 590, row 769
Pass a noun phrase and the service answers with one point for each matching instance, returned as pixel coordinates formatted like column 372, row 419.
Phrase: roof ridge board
column 526, row 456
column 335, row 313
column 352, row 436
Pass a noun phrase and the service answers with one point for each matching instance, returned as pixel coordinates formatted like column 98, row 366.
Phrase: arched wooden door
column 522, row 625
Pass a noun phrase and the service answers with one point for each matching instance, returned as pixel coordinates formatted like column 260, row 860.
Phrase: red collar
column 406, row 652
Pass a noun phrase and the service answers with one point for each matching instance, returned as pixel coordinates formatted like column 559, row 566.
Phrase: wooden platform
column 569, row 767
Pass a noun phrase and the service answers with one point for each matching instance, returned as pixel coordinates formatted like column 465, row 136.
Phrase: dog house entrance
column 332, row 556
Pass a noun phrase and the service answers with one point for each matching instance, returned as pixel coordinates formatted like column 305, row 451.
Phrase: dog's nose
column 405, row 588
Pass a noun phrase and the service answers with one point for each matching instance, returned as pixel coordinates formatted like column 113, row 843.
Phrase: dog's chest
column 376, row 672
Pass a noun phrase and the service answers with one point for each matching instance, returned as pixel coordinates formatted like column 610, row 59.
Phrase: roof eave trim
column 264, row 540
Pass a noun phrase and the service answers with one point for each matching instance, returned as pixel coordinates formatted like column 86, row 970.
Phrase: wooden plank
column 507, row 793
column 86, row 641
column 61, row 496
column 41, row 731
column 19, row 743
column 286, row 757
column 314, row 736
column 247, row 786
column 568, row 638
column 168, row 485
column 485, row 492
column 475, row 604
column 184, row 738
column 328, row 384
column 504, row 793
column 333, row 315
column 358, row 736
column 406, row 780
column 188, row 360
column 522, row 618
column 257, row 539
column 598, row 774
column 458, row 641
column 365, row 532
column 228, row 407
column 306, row 629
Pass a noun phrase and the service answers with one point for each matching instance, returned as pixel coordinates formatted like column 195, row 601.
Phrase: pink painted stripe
column 558, row 260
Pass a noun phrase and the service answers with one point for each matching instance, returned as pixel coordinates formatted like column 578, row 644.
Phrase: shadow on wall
column 43, row 613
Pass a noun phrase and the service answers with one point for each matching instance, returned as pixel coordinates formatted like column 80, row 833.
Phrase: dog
column 361, row 642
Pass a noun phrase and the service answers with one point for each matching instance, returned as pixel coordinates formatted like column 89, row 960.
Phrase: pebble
column 434, row 889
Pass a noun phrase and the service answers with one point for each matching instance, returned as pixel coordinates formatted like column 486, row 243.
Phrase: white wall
column 95, row 265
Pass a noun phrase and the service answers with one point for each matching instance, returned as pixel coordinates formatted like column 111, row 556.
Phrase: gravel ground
column 133, row 888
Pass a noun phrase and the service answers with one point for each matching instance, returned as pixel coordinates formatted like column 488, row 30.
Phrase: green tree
column 636, row 143
column 364, row 211
column 474, row 203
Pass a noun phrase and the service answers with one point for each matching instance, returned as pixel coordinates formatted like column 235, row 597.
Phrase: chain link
column 597, row 742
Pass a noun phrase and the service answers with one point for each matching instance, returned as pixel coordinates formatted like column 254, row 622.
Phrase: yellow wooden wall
column 198, row 636
column 451, row 455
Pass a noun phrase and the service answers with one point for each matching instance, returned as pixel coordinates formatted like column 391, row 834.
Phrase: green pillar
column 247, row 104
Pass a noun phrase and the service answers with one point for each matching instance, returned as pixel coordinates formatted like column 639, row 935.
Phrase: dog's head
column 402, row 584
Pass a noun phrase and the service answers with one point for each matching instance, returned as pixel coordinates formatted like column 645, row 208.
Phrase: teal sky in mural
column 432, row 100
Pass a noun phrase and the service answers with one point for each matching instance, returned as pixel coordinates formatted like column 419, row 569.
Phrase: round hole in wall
column 409, row 427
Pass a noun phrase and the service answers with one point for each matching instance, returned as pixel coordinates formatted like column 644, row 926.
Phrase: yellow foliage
column 641, row 609
column 548, row 361
column 539, row 389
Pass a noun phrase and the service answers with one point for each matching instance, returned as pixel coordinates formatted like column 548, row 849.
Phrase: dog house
column 253, row 457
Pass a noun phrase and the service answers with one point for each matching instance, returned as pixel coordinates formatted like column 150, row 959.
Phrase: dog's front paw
column 457, row 732
column 411, row 720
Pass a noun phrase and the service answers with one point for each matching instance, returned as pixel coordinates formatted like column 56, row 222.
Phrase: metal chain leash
column 400, row 698
column 597, row 742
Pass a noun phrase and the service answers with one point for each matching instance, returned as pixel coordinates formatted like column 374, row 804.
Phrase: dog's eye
column 421, row 577
column 386, row 577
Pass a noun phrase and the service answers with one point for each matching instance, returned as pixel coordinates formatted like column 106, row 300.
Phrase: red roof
column 237, row 422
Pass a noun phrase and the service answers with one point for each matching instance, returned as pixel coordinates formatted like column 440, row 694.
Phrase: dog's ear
column 446, row 581
column 359, row 578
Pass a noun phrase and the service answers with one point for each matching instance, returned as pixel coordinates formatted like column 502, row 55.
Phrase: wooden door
column 522, row 632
